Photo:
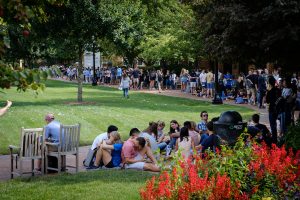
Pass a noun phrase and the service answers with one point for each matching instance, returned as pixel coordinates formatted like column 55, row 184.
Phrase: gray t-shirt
column 152, row 141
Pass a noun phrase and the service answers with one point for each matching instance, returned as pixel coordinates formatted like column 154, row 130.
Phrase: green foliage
column 23, row 79
column 292, row 137
column 263, row 31
column 232, row 161
column 125, row 26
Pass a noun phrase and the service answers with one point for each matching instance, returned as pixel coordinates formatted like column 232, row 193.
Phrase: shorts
column 184, row 80
column 110, row 164
column 203, row 84
column 210, row 85
column 192, row 84
column 248, row 91
column 253, row 91
column 137, row 165
column 136, row 80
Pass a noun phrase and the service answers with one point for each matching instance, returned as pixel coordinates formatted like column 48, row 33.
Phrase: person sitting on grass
column 174, row 135
column 162, row 139
column 109, row 152
column 150, row 133
column 266, row 134
column 213, row 141
column 133, row 155
column 184, row 144
column 191, row 125
column 103, row 136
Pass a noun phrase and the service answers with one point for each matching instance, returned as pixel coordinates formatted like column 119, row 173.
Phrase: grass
column 103, row 106
column 102, row 184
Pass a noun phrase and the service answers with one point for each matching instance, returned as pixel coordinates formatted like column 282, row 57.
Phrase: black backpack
column 280, row 104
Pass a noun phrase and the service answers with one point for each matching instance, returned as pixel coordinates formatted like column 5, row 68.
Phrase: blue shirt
column 119, row 72
column 202, row 127
column 116, row 154
column 52, row 131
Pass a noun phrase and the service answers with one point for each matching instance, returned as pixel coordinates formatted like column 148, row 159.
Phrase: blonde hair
column 116, row 136
column 161, row 123
column 193, row 125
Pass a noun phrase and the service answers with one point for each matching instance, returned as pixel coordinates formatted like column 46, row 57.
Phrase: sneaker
column 93, row 167
column 168, row 151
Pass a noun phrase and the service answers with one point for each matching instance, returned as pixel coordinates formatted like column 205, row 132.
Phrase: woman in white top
column 125, row 83
column 185, row 143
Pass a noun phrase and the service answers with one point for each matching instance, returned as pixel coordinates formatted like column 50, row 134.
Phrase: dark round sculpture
column 229, row 127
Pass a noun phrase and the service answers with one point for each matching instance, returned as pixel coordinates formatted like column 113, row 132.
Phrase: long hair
column 152, row 128
column 172, row 130
column 184, row 133
column 117, row 136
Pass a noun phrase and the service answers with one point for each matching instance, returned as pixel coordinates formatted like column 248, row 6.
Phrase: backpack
column 89, row 160
column 249, row 83
column 159, row 77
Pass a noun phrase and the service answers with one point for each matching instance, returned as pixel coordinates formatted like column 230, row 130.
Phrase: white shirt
column 203, row 77
column 99, row 139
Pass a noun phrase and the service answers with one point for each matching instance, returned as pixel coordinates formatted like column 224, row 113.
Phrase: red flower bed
column 261, row 171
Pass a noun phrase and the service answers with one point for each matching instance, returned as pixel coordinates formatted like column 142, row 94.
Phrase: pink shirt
column 128, row 150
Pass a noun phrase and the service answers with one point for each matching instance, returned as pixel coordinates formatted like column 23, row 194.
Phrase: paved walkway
column 5, row 159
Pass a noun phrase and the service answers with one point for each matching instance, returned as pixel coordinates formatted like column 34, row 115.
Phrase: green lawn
column 102, row 184
column 103, row 106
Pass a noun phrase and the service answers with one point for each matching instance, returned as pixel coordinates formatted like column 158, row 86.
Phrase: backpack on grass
column 89, row 160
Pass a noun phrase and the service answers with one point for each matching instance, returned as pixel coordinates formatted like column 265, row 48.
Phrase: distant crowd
column 254, row 88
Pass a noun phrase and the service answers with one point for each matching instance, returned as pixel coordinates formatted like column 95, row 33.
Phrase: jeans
column 173, row 84
column 260, row 96
column 172, row 142
column 285, row 121
column 162, row 146
column 273, row 125
column 125, row 92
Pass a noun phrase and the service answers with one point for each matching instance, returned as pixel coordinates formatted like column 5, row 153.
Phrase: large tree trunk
column 80, row 75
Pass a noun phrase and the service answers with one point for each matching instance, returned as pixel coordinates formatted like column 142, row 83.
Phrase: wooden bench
column 31, row 148
column 68, row 145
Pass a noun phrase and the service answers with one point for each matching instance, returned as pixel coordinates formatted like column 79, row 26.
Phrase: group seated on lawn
column 143, row 149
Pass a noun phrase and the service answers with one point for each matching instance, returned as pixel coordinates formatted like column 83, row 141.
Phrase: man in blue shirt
column 52, row 129
column 201, row 128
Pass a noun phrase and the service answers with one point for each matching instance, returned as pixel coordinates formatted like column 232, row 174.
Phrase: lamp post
column 217, row 98
column 94, row 82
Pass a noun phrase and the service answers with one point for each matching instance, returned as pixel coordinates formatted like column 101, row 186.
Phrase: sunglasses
column 205, row 115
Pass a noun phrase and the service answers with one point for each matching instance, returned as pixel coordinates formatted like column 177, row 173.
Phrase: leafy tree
column 125, row 26
column 242, row 30
column 79, row 22
column 15, row 27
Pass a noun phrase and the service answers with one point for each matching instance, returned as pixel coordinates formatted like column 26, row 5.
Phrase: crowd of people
column 143, row 148
column 254, row 88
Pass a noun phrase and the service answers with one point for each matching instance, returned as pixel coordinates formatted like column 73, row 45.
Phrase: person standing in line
column 125, row 84
column 272, row 95
column 261, row 89
column 209, row 80
column 159, row 79
column 5, row 108
column 136, row 77
column 202, row 78
column 173, row 80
